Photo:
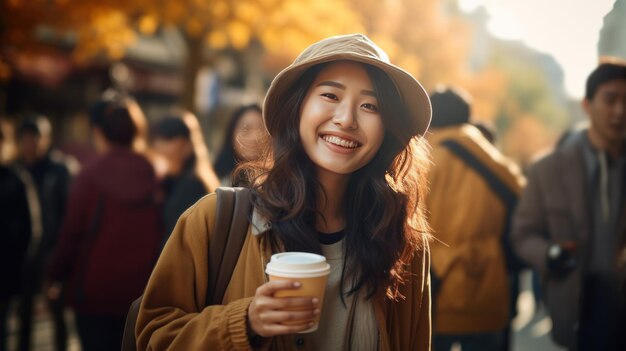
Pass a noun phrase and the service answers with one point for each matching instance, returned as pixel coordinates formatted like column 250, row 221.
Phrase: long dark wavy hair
column 385, row 223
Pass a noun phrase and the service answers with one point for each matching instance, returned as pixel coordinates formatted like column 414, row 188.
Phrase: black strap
column 227, row 238
column 506, row 195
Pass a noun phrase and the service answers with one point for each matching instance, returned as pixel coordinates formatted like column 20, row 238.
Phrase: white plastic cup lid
column 297, row 265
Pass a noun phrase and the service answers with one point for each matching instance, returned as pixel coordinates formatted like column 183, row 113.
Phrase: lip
column 338, row 148
column 342, row 136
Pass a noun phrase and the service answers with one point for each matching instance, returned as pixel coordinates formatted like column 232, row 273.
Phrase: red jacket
column 110, row 236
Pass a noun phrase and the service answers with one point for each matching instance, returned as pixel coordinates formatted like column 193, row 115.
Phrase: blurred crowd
column 86, row 236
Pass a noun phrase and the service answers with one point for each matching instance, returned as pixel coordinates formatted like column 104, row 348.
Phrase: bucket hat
column 359, row 48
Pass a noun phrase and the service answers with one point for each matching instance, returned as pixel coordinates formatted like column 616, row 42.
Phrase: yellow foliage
column 194, row 27
column 488, row 89
column 239, row 34
column 148, row 24
column 217, row 39
column 173, row 12
column 247, row 12
column 220, row 10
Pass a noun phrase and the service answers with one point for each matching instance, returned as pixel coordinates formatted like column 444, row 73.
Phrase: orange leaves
column 239, row 33
column 173, row 12
column 109, row 26
column 109, row 33
column 148, row 24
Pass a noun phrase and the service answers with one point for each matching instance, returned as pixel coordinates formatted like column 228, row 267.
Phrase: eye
column 370, row 107
column 330, row 96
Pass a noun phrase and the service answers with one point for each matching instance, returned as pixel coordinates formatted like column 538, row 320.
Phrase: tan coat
column 468, row 219
column 173, row 315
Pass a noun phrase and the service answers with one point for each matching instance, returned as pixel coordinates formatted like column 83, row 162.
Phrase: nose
column 345, row 117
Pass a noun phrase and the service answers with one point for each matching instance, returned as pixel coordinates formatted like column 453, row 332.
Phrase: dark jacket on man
column 555, row 208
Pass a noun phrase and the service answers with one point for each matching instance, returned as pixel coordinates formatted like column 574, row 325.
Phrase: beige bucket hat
column 359, row 48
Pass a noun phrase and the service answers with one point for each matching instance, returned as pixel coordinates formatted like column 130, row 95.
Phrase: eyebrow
column 343, row 87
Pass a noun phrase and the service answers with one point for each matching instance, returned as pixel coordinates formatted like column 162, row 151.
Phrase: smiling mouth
column 335, row 140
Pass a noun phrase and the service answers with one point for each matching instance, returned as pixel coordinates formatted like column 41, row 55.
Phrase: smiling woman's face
column 340, row 124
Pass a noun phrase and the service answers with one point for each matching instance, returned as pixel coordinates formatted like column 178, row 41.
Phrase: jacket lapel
column 572, row 174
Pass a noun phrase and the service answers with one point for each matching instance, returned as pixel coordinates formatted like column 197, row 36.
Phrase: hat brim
column 411, row 91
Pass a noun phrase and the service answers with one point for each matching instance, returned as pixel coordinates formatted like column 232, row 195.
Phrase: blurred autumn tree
column 107, row 27
column 429, row 38
column 531, row 112
column 420, row 36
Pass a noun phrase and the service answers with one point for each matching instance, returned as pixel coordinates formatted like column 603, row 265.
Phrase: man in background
column 50, row 172
column 568, row 225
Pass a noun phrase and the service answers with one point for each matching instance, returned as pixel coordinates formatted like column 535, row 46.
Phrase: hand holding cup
column 291, row 301
column 269, row 315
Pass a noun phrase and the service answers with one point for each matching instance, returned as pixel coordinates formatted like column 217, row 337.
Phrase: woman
column 341, row 182
column 178, row 139
column 110, row 236
column 244, row 141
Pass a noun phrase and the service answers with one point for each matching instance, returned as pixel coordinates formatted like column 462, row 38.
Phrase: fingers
column 270, row 288
column 280, row 329
column 270, row 316
column 288, row 317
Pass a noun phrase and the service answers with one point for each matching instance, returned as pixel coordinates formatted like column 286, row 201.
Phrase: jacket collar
column 259, row 223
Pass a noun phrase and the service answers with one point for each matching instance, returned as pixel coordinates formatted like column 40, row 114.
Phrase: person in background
column 570, row 223
column 15, row 232
column 190, row 176
column 51, row 173
column 473, row 190
column 243, row 141
column 111, row 233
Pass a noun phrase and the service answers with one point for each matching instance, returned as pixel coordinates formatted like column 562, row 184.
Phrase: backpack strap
column 506, row 195
column 227, row 238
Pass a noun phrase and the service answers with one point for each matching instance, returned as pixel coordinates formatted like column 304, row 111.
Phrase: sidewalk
column 531, row 327
column 42, row 329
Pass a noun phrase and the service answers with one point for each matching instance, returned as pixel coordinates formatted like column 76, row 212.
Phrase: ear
column 99, row 141
column 586, row 105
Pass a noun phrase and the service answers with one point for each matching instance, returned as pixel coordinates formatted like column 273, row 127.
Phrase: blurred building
column 50, row 82
column 485, row 47
column 613, row 33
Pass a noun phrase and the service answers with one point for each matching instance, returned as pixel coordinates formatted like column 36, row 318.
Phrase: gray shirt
column 337, row 319
column 605, row 186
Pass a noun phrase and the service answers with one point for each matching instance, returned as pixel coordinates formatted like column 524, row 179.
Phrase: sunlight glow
column 566, row 29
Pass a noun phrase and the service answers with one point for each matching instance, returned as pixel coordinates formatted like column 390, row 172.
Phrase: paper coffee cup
column 309, row 269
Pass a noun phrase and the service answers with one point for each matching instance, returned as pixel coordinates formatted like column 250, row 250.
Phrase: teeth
column 341, row 142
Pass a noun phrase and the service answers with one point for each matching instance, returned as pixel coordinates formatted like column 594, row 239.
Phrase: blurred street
column 531, row 328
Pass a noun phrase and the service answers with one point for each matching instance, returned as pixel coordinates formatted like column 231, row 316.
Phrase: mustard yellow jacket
column 173, row 315
column 468, row 221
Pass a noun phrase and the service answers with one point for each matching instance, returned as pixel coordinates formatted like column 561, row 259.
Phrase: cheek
column 375, row 133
